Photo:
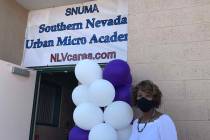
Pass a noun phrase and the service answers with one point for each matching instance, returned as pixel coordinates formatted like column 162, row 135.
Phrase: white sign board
column 95, row 30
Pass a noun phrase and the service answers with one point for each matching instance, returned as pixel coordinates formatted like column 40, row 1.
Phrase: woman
column 151, row 125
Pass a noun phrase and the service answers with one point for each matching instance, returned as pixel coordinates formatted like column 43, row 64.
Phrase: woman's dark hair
column 148, row 87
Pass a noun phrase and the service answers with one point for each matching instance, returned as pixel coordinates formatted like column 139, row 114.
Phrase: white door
column 16, row 101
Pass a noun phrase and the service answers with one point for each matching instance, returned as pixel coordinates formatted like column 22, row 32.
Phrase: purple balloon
column 130, row 79
column 77, row 133
column 117, row 72
column 123, row 94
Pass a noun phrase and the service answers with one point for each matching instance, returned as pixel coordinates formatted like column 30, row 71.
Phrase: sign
column 95, row 30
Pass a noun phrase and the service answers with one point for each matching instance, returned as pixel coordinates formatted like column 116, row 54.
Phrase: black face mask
column 144, row 104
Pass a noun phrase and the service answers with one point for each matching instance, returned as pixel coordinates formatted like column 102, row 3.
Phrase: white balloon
column 86, row 71
column 102, row 132
column 101, row 92
column 87, row 115
column 119, row 115
column 80, row 94
column 124, row 134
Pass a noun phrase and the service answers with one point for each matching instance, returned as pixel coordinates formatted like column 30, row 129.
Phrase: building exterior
column 12, row 26
column 168, row 43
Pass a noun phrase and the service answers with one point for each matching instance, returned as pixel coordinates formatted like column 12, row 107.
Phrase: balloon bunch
column 103, row 109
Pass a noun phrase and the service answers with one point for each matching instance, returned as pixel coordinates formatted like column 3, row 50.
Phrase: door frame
column 40, row 71
column 35, row 103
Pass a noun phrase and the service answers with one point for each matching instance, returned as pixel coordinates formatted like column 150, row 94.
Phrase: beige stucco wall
column 16, row 102
column 169, row 43
column 13, row 19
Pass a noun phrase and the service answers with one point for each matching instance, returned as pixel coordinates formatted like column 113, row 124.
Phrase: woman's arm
column 134, row 131
column 167, row 128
